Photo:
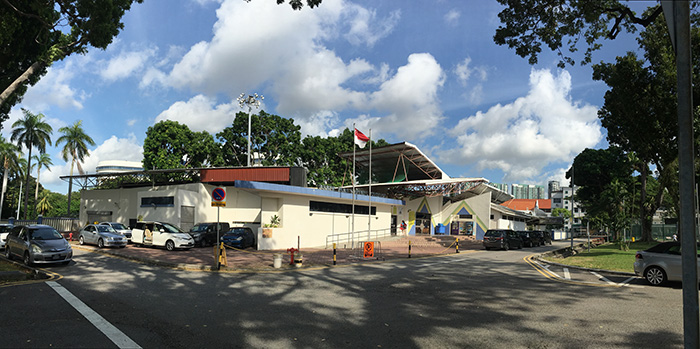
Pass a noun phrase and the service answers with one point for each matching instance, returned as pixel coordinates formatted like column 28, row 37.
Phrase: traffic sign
column 218, row 197
column 369, row 249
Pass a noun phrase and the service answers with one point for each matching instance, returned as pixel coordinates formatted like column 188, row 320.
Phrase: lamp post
column 250, row 101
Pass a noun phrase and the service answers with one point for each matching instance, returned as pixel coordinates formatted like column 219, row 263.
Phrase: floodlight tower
column 250, row 101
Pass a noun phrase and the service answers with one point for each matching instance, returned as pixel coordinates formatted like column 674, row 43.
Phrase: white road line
column 603, row 278
column 566, row 274
column 624, row 283
column 545, row 266
column 113, row 333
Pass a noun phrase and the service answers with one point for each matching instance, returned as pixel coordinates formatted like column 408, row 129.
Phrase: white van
column 160, row 234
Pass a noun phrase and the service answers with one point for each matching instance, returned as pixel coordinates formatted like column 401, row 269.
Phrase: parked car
column 530, row 238
column 205, row 233
column 239, row 237
column 546, row 237
column 660, row 263
column 102, row 236
column 502, row 239
column 161, row 234
column 37, row 243
column 4, row 230
column 119, row 228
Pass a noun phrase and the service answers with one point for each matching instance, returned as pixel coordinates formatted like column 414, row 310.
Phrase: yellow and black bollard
column 334, row 259
column 409, row 248
column 457, row 246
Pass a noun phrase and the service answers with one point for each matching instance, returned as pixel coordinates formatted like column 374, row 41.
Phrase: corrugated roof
column 528, row 204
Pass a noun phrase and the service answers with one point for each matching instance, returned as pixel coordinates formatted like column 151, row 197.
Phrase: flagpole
column 353, row 184
column 369, row 196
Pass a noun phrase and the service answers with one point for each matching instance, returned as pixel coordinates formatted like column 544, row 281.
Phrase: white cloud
column 125, row 64
column 114, row 148
column 411, row 98
column 366, row 28
column 452, row 17
column 54, row 89
column 534, row 131
column 201, row 114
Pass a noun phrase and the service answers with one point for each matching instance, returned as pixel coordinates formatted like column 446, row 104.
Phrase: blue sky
column 424, row 72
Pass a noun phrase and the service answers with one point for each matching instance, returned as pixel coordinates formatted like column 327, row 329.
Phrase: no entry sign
column 218, row 197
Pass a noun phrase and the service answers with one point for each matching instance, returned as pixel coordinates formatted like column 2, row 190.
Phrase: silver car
column 4, row 231
column 660, row 263
column 119, row 228
column 102, row 236
column 37, row 243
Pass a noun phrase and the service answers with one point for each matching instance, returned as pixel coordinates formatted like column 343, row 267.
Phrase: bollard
column 457, row 246
column 409, row 248
column 334, row 259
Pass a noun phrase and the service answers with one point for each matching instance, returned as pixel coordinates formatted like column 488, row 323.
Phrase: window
column 556, row 200
column 465, row 216
column 319, row 206
column 158, row 201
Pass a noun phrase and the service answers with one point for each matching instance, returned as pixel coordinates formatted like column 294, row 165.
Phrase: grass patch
column 9, row 266
column 608, row 257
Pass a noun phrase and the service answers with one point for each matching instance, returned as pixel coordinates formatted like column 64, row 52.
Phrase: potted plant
column 267, row 227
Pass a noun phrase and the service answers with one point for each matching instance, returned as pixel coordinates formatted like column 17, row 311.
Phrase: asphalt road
column 484, row 299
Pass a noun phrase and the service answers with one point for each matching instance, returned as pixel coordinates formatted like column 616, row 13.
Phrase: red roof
column 528, row 204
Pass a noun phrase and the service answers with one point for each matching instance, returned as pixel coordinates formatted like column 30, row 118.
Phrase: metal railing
column 357, row 237
column 62, row 224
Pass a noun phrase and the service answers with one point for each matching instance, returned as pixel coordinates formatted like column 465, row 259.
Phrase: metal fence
column 659, row 232
column 62, row 224
column 356, row 237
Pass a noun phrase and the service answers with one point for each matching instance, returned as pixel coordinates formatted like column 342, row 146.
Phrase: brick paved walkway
column 202, row 258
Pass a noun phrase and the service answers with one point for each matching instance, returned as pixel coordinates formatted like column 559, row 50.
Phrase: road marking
column 566, row 274
column 603, row 278
column 547, row 268
column 113, row 333
column 626, row 282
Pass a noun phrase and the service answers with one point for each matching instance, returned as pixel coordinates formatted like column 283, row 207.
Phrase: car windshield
column 45, row 234
column 105, row 228
column 119, row 226
column 171, row 228
column 494, row 233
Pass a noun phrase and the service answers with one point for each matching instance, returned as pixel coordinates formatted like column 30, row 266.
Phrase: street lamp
column 250, row 101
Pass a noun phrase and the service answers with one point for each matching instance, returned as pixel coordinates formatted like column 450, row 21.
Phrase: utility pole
column 250, row 101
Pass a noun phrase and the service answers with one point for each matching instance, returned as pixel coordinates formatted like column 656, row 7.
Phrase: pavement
column 251, row 260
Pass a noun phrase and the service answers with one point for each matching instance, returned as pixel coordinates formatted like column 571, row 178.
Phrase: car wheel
column 655, row 276
column 169, row 245
column 81, row 240
column 27, row 260
column 8, row 254
column 487, row 248
column 100, row 243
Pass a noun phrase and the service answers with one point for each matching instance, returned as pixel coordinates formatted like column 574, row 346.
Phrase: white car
column 160, row 234
column 119, row 228
column 4, row 230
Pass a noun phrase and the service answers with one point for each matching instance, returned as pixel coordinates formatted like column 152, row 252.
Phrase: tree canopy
column 171, row 145
column 36, row 33
column 561, row 24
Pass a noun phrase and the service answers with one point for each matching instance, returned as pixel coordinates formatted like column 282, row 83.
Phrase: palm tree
column 44, row 205
column 42, row 160
column 9, row 157
column 76, row 148
column 31, row 131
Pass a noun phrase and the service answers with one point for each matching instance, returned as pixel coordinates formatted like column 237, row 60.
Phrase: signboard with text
column 218, row 197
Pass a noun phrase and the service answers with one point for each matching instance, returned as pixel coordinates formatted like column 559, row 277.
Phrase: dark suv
column 546, row 237
column 502, row 239
column 530, row 238
column 205, row 233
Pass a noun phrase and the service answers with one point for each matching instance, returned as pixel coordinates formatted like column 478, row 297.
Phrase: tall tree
column 561, row 24
column 171, row 145
column 31, row 131
column 649, row 126
column 75, row 148
column 42, row 160
column 9, row 153
column 275, row 140
column 36, row 33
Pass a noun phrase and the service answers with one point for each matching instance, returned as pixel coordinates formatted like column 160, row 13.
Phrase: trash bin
column 298, row 260
column 277, row 260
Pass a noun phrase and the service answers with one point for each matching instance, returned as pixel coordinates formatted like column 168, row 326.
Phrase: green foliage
column 561, row 212
column 562, row 24
column 171, row 145
column 35, row 33
column 276, row 140
column 274, row 222
column 299, row 4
